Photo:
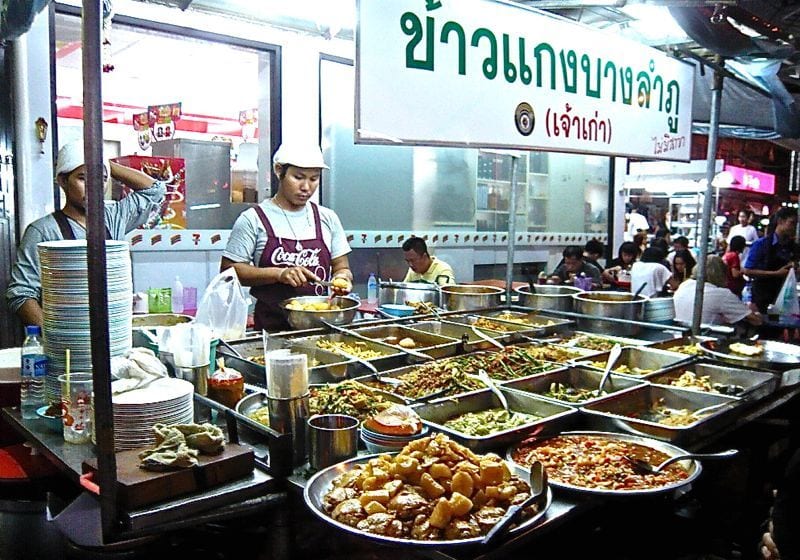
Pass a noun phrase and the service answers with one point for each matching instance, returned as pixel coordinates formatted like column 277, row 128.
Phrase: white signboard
column 486, row 73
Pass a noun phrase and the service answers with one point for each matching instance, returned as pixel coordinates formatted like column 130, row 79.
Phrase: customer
column 574, row 266
column 680, row 243
column 626, row 256
column 682, row 266
column 662, row 244
column 286, row 244
column 732, row 260
column 422, row 267
column 592, row 253
column 24, row 292
column 651, row 273
column 771, row 258
column 745, row 229
column 720, row 305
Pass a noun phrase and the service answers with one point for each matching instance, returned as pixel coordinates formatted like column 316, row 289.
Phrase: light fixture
column 41, row 132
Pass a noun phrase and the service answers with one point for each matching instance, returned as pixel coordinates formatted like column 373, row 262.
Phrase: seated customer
column 682, row 266
column 593, row 252
column 424, row 268
column 626, row 256
column 720, row 305
column 651, row 273
column 573, row 266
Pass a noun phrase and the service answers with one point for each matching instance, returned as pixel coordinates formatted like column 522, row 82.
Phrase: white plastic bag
column 786, row 303
column 223, row 307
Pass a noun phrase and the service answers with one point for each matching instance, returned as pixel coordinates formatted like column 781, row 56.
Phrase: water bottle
column 747, row 295
column 33, row 372
column 372, row 289
column 177, row 296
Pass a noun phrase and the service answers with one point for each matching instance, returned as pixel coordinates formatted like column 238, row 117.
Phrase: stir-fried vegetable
column 487, row 422
column 348, row 397
column 568, row 393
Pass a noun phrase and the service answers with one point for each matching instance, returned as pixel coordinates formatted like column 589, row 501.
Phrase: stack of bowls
column 382, row 443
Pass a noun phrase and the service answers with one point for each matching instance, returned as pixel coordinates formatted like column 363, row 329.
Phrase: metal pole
column 512, row 226
column 705, row 225
column 95, row 237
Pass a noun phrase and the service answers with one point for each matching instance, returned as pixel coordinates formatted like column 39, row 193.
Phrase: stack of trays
column 65, row 303
column 166, row 401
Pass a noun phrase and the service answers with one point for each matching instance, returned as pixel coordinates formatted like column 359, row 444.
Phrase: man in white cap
column 25, row 289
column 284, row 246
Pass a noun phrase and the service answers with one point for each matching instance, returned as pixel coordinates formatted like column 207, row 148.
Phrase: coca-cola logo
column 305, row 257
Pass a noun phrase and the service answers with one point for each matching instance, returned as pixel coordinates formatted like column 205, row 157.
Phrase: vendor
column 720, row 305
column 285, row 245
column 422, row 267
column 771, row 257
column 25, row 289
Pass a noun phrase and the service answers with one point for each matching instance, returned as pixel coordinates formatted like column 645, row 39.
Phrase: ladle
column 489, row 382
column 706, row 409
column 646, row 468
column 538, row 483
column 639, row 291
column 231, row 348
column 613, row 356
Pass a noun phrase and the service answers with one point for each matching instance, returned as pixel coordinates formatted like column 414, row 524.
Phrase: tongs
column 538, row 483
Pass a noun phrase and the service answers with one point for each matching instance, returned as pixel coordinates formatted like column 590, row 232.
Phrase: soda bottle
column 33, row 372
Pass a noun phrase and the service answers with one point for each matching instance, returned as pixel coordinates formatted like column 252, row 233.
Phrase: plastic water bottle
column 372, row 289
column 177, row 296
column 747, row 294
column 33, row 372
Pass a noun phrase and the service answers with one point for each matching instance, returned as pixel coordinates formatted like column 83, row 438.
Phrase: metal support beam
column 512, row 226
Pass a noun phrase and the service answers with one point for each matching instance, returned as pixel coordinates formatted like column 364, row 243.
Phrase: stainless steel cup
column 197, row 376
column 332, row 438
column 289, row 416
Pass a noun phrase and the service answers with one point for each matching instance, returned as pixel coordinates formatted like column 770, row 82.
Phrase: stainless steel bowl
column 310, row 319
column 616, row 305
column 401, row 292
column 546, row 296
column 467, row 297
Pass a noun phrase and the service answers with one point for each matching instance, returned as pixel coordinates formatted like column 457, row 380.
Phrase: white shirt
column 636, row 222
column 720, row 305
column 655, row 274
column 748, row 232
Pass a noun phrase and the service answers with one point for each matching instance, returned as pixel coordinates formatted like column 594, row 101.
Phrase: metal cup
column 332, row 438
column 197, row 376
column 289, row 416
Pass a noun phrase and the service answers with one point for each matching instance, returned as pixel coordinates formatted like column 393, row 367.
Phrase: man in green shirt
column 424, row 268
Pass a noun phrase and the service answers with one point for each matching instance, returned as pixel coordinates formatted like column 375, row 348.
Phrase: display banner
column 486, row 73
column 749, row 180
column 162, row 120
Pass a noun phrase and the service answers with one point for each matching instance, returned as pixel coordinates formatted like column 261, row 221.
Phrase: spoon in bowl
column 646, row 468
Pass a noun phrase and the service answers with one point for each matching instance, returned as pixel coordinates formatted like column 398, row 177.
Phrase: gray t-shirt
column 249, row 237
column 120, row 217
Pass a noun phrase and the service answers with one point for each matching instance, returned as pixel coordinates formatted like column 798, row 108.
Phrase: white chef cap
column 300, row 155
column 70, row 157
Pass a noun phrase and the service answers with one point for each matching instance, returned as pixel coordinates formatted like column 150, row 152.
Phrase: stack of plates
column 165, row 401
column 65, row 303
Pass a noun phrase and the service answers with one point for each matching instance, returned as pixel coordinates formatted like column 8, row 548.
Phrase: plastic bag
column 786, row 303
column 224, row 306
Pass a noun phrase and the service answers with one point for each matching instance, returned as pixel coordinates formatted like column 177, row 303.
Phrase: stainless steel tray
column 320, row 484
column 693, row 341
column 511, row 330
column 657, row 361
column 578, row 377
column 558, row 353
column 616, row 413
column 755, row 384
column 573, row 338
column 389, row 355
column 777, row 356
column 433, row 345
column 694, row 468
column 543, row 324
column 555, row 417
column 459, row 331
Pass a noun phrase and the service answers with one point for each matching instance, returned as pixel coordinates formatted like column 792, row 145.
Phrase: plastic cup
column 189, row 300
column 76, row 402
column 332, row 438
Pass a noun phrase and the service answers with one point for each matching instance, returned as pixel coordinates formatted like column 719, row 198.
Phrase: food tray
column 458, row 331
column 541, row 323
column 755, row 384
column 575, row 352
column 555, row 417
column 682, row 341
column 431, row 344
column 329, row 366
column 622, row 341
column 658, row 361
column 320, row 484
column 512, row 330
column 578, row 377
column 389, row 355
column 694, row 468
column 777, row 356
column 613, row 413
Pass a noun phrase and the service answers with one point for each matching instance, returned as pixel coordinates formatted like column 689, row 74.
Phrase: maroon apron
column 282, row 253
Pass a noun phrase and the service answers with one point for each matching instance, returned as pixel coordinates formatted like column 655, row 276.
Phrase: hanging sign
column 249, row 121
column 487, row 73
column 162, row 119
column 749, row 180
column 141, row 124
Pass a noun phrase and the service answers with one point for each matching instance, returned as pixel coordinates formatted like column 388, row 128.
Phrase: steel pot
column 466, row 297
column 547, row 296
column 616, row 305
column 401, row 292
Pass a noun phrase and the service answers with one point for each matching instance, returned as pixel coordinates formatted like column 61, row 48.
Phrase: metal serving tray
column 776, row 356
column 566, row 337
column 542, row 324
column 658, row 361
column 615, row 413
column 511, row 330
column 578, row 377
column 683, row 341
column 431, row 344
column 558, row 353
column 329, row 366
column 555, row 417
column 389, row 355
column 755, row 384
column 459, row 331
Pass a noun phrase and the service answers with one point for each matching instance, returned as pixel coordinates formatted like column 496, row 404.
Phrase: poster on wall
column 487, row 73
column 141, row 124
column 171, row 170
column 162, row 119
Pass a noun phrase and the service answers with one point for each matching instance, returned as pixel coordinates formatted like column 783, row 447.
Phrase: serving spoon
column 613, row 356
column 483, row 377
column 538, row 482
column 486, row 337
column 646, row 468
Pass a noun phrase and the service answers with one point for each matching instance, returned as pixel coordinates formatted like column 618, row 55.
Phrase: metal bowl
column 546, row 296
column 776, row 356
column 401, row 292
column 160, row 320
column 309, row 319
column 467, row 297
column 617, row 305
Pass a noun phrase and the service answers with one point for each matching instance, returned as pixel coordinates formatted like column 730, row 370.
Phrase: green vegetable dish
column 568, row 393
column 488, row 422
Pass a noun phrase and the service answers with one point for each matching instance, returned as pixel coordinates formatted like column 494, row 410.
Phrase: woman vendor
column 287, row 244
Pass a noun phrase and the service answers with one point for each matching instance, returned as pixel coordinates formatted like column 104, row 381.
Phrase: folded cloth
column 208, row 438
column 178, row 446
column 135, row 370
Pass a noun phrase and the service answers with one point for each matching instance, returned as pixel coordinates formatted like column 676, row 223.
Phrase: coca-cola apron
column 283, row 253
